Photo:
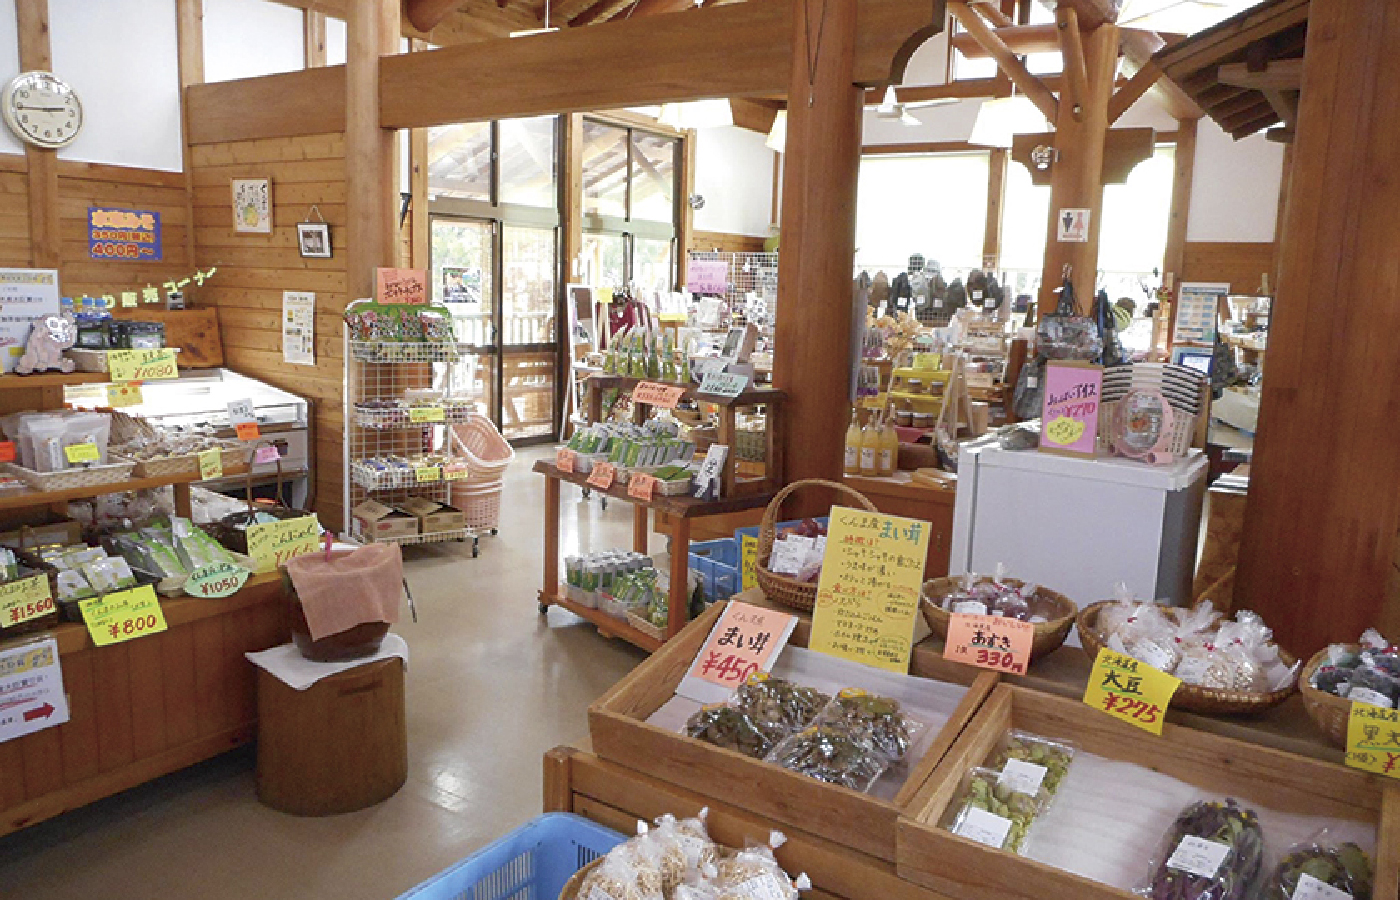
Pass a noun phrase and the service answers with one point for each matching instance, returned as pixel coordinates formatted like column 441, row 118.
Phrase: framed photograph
column 252, row 205
column 314, row 239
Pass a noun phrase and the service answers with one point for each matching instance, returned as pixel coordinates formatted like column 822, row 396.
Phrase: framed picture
column 252, row 205
column 314, row 239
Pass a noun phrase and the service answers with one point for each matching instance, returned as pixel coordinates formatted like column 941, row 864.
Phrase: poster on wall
column 132, row 234
column 31, row 689
column 461, row 284
column 252, row 205
column 1197, row 309
column 1070, row 413
column 299, row 328
column 25, row 295
column 706, row 276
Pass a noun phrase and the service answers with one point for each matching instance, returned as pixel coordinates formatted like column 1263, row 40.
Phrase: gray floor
column 491, row 686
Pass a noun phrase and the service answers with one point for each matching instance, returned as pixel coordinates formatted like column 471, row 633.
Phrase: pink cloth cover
column 353, row 588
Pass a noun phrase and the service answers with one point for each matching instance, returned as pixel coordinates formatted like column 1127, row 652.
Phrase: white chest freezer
column 1079, row 526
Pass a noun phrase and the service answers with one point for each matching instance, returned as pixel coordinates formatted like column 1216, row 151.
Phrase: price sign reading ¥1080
column 1130, row 690
column 123, row 616
column 271, row 544
column 142, row 365
column 1373, row 739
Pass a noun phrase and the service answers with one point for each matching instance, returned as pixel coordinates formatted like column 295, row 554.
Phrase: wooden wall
column 255, row 269
column 724, row 242
column 1242, row 265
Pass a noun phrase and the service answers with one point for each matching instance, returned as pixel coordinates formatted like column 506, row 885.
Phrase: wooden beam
column 1285, row 105
column 601, row 11
column 669, row 58
column 420, row 221
column 1280, row 75
column 1091, row 13
column 1072, row 50
column 567, row 10
column 1016, row 70
column 1319, row 536
column 313, row 26
column 1138, row 48
column 426, row 14
column 1130, row 93
column 371, row 181
column 1174, row 259
column 685, row 220
column 1020, row 39
column 993, row 13
column 189, row 38
column 284, row 105
column 45, row 236
column 755, row 115
column 996, row 203
column 920, row 147
column 571, row 187
column 660, row 7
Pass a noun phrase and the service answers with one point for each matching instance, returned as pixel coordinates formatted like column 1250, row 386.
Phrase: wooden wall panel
column 726, row 243
column 254, row 270
column 1242, row 265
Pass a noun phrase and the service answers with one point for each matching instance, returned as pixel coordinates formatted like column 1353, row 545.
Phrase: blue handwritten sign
column 132, row 234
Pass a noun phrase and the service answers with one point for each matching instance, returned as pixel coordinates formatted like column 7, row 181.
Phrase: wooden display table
column 898, row 495
column 146, row 707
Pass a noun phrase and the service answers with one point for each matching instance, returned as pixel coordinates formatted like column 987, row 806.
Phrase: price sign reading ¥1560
column 123, row 616
column 1130, row 690
column 991, row 642
column 25, row 599
column 271, row 544
column 142, row 365
column 602, row 475
column 664, row 396
column 1373, row 739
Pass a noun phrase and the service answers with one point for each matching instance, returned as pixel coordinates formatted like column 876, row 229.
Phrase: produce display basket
column 481, row 508
column 537, row 861
column 1329, row 712
column 166, row 466
column 1190, row 697
column 69, row 479
column 645, row 627
column 782, row 588
column 1047, row 636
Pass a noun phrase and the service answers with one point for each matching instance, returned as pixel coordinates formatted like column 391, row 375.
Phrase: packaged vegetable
column 878, row 720
column 731, row 728
column 754, row 874
column 1029, row 762
column 630, row 871
column 1213, row 851
column 1310, row 869
column 778, row 707
column 830, row 754
column 991, row 811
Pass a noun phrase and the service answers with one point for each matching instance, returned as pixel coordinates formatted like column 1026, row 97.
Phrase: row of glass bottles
column 872, row 450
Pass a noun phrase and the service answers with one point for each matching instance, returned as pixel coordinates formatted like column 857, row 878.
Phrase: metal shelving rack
column 386, row 371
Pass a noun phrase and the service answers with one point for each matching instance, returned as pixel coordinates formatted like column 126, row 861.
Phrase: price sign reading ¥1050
column 271, row 544
column 142, row 365
column 1373, row 739
column 25, row 599
column 123, row 616
column 991, row 642
column 1130, row 690
column 216, row 580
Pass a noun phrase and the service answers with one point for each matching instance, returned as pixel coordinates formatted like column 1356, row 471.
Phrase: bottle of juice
column 870, row 448
column 852, row 463
column 889, row 447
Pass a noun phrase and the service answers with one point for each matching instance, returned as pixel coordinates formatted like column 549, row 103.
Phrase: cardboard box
column 434, row 517
column 375, row 521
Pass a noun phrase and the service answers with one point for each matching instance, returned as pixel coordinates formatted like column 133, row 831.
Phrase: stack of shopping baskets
column 488, row 454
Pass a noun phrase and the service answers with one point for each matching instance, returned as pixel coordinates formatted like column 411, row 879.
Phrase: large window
column 629, row 206
column 931, row 204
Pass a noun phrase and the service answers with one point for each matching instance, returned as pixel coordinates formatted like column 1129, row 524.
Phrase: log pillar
column 1077, row 174
column 371, row 181
column 1319, row 533
column 812, row 362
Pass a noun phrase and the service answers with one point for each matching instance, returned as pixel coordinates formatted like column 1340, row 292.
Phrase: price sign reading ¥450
column 142, row 365
column 25, row 599
column 123, row 616
column 1130, row 690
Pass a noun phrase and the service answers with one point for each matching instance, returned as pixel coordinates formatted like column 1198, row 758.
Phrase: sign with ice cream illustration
column 1069, row 422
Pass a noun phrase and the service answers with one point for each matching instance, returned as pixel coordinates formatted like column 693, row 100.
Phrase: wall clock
column 42, row 109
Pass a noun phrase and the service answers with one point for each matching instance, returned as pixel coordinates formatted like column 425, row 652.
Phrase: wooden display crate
column 959, row 867
column 617, row 723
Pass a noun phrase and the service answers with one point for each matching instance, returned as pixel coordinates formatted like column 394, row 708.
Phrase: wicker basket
column 571, row 887
column 479, row 510
column 645, row 627
column 1191, row 697
column 1329, row 712
column 781, row 588
column 166, row 467
column 69, row 479
column 1047, row 636
column 232, row 530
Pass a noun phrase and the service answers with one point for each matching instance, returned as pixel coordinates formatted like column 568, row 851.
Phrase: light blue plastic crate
column 717, row 563
column 531, row 863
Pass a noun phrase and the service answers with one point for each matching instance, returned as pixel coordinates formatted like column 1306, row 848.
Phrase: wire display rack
column 753, row 282
column 400, row 401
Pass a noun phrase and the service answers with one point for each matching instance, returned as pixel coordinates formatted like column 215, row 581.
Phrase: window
column 932, row 204
column 529, row 164
column 629, row 206
column 514, row 161
column 459, row 161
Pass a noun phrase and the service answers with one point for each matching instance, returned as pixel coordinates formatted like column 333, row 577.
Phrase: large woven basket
column 571, row 887
column 1329, row 712
column 1190, row 697
column 782, row 588
column 1048, row 636
column 166, row 466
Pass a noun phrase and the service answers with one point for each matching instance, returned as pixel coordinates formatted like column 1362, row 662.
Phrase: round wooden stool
column 338, row 746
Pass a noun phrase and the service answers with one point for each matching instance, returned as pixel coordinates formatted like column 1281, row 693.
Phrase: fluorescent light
column 531, row 31
column 777, row 135
column 1000, row 119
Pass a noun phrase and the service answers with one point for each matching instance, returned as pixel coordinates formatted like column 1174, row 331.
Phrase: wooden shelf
column 52, row 379
column 607, row 624
column 750, row 397
column 684, row 507
column 30, row 499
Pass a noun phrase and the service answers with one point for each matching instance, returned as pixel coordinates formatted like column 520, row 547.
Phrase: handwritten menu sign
column 868, row 595
column 641, row 487
column 745, row 640
column 25, row 599
column 565, row 459
column 724, row 384
column 707, row 276
column 271, row 544
column 142, row 365
column 1373, row 739
column 1130, row 690
column 1070, row 411
column 991, row 642
column 405, row 287
column 665, row 396
column 602, row 475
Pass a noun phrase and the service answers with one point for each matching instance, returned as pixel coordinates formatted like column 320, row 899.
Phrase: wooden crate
column 617, row 722
column 959, row 867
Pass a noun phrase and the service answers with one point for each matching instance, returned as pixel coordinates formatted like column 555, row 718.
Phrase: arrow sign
column 39, row 712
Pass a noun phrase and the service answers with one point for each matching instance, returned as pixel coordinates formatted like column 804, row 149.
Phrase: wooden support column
column 1324, row 499
column 313, row 26
column 571, row 183
column 189, row 31
column 45, row 239
column 420, row 227
column 996, row 202
column 1177, row 218
column 813, row 359
column 1077, row 174
column 685, row 221
column 371, row 182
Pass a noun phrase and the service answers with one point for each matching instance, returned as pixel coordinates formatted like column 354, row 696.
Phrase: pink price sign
column 1069, row 422
column 746, row 640
column 707, row 276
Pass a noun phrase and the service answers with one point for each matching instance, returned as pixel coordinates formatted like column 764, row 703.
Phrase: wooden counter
column 898, row 495
column 146, row 707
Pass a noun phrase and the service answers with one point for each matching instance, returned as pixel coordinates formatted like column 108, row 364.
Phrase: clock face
column 42, row 109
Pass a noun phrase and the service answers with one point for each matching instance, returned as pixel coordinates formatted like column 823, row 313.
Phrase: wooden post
column 313, row 32
column 371, row 182
column 420, row 226
column 45, row 239
column 813, row 363
column 1077, row 174
column 996, row 202
column 571, row 184
column 189, row 30
column 1175, row 256
column 1324, row 497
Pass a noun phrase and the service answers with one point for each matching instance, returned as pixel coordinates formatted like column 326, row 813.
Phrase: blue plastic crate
column 717, row 564
column 531, row 863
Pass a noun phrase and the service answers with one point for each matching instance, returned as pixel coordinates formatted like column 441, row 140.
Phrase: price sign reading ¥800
column 1373, row 739
column 142, row 365
column 1130, row 690
column 123, row 616
column 664, row 396
column 271, row 544
column 25, row 599
column 991, row 642
column 602, row 475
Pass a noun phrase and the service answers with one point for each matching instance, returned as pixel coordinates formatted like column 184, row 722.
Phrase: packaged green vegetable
column 1213, row 851
column 991, row 811
column 1030, row 762
column 879, row 720
column 1316, row 870
column 831, row 755
column 778, row 706
column 725, row 726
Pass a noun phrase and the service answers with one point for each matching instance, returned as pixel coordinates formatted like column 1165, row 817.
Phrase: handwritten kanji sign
column 602, row 475
column 123, row 616
column 1373, row 739
column 25, row 599
column 991, row 642
column 406, row 287
column 665, row 396
column 565, row 459
column 271, row 544
column 745, row 640
column 641, row 487
column 141, row 365
column 1130, row 690
column 868, row 594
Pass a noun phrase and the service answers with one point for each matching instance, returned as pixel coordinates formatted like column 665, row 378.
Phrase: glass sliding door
column 529, row 332
column 463, row 277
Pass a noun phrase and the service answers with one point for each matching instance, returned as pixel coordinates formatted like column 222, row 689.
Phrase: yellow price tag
column 424, row 414
column 211, row 464
column 25, row 599
column 426, row 474
column 1373, row 739
column 1131, row 690
column 119, row 395
column 456, row 472
column 123, row 616
column 82, row 453
column 142, row 365
column 271, row 544
column 1064, row 431
column 749, row 550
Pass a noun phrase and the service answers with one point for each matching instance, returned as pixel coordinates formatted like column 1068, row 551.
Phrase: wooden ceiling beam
column 568, row 10
column 755, row 115
column 1278, row 75
column 993, row 13
column 1016, row 70
column 1091, row 13
column 661, row 7
column 427, row 14
column 599, row 12
column 1072, row 51
column 1130, row 93
column 1138, row 47
column 1021, row 39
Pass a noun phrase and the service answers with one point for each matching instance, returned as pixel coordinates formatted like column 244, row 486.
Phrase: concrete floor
column 492, row 685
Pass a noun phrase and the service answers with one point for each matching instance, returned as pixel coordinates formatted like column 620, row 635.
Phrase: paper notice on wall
column 299, row 328
column 31, row 689
column 25, row 295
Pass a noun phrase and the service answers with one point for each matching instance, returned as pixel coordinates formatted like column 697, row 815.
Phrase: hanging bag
column 1064, row 334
